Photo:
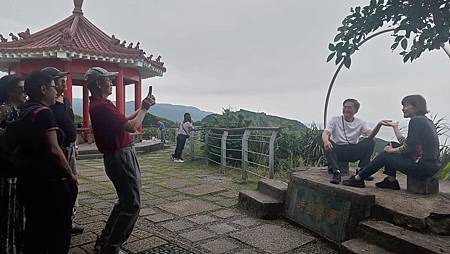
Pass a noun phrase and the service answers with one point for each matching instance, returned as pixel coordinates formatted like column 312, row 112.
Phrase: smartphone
column 150, row 88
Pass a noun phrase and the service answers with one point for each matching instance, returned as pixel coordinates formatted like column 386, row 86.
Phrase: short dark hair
column 34, row 82
column 418, row 102
column 354, row 101
column 7, row 84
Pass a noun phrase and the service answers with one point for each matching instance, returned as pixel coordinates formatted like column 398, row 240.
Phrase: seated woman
column 418, row 154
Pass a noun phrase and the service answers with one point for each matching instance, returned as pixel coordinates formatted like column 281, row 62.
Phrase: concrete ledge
column 274, row 188
column 260, row 204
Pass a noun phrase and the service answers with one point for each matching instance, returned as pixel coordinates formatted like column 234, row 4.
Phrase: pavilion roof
column 76, row 37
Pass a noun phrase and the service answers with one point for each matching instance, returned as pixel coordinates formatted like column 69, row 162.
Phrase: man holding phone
column 112, row 136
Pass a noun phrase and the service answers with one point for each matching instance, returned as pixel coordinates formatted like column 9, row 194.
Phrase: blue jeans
column 181, row 141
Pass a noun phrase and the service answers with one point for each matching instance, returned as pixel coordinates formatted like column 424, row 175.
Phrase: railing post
column 223, row 155
column 244, row 164
column 272, row 153
column 206, row 148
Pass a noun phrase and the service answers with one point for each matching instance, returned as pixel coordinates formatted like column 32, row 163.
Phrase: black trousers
column 48, row 212
column 393, row 162
column 362, row 151
column 181, row 141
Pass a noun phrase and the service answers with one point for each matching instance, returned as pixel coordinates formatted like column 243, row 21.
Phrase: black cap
column 54, row 73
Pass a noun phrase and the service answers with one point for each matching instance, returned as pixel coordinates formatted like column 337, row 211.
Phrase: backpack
column 13, row 141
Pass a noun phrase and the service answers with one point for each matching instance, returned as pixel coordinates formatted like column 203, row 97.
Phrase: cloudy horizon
column 260, row 55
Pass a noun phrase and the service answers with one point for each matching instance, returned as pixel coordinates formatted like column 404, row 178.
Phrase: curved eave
column 146, row 68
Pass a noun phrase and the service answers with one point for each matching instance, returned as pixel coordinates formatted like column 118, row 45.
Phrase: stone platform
column 335, row 211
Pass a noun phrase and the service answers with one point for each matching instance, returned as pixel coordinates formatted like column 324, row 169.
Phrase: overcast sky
column 258, row 55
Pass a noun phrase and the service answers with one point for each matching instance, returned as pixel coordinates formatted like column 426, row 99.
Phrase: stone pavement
column 186, row 208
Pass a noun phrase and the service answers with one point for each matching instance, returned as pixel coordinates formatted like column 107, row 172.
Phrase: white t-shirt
column 343, row 132
column 185, row 128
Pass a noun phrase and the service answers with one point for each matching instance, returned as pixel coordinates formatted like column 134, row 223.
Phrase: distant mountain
column 171, row 112
column 256, row 119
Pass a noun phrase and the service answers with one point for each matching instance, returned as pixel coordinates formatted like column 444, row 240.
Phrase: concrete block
column 359, row 246
column 422, row 185
column 260, row 204
column 274, row 188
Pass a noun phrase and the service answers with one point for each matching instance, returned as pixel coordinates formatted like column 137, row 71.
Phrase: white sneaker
column 178, row 160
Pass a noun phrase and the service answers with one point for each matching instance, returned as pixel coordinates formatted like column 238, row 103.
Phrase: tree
column 416, row 26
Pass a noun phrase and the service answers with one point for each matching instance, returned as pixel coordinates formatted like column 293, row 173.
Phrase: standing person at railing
column 183, row 134
column 162, row 132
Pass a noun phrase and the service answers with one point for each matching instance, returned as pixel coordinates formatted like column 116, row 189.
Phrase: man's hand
column 390, row 123
column 327, row 145
column 148, row 102
column 389, row 149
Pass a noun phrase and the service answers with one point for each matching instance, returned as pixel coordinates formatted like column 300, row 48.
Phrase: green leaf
column 331, row 47
column 331, row 56
column 347, row 62
column 404, row 44
column 398, row 38
column 338, row 37
column 394, row 46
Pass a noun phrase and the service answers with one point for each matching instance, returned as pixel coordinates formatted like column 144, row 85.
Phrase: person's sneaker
column 172, row 157
column 179, row 160
column 336, row 178
column 370, row 178
column 386, row 184
column 330, row 171
column 76, row 229
column 354, row 183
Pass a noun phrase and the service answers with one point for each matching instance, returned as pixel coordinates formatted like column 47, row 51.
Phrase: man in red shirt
column 112, row 136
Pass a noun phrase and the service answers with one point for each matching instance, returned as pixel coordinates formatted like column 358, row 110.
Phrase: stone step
column 401, row 240
column 274, row 188
column 260, row 205
column 98, row 155
column 359, row 246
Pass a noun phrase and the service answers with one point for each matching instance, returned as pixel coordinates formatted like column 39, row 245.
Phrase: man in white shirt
column 341, row 140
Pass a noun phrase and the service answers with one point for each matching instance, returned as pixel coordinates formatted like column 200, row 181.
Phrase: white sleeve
column 331, row 125
column 365, row 130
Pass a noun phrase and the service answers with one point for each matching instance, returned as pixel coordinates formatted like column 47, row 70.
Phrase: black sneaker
column 386, row 184
column 76, row 229
column 370, row 178
column 330, row 171
column 354, row 183
column 336, row 178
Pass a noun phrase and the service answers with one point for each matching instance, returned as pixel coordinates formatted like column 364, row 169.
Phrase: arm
column 375, row 131
column 135, row 120
column 326, row 140
column 58, row 154
column 133, row 115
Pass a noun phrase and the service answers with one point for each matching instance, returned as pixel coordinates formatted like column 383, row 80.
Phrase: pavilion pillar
column 68, row 92
column 120, row 92
column 18, row 70
column 138, row 97
column 85, row 112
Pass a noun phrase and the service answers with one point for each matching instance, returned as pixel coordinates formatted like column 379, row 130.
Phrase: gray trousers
column 123, row 170
column 70, row 152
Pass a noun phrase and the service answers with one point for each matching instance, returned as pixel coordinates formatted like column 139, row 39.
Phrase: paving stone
column 247, row 222
column 77, row 250
column 202, row 219
column 159, row 217
column 144, row 244
column 147, row 211
column 273, row 238
column 175, row 183
column 178, row 225
column 178, row 197
column 222, row 228
column 219, row 246
column 140, row 234
column 95, row 227
column 227, row 202
column 188, row 207
column 86, row 187
column 230, row 194
column 246, row 251
column 224, row 214
column 165, row 194
column 82, row 239
column 91, row 219
column 197, row 235
column 200, row 190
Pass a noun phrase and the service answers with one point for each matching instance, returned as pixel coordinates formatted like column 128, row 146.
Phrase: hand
column 389, row 149
column 328, row 145
column 390, row 123
column 148, row 102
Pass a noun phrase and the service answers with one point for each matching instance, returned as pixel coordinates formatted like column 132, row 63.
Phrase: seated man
column 341, row 140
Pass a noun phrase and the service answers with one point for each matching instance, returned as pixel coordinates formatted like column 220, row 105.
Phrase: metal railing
column 245, row 149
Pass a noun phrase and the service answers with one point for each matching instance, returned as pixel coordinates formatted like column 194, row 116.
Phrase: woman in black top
column 49, row 186
column 12, row 96
column 416, row 155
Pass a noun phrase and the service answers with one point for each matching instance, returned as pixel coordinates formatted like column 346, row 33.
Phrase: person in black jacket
column 63, row 112
column 416, row 155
